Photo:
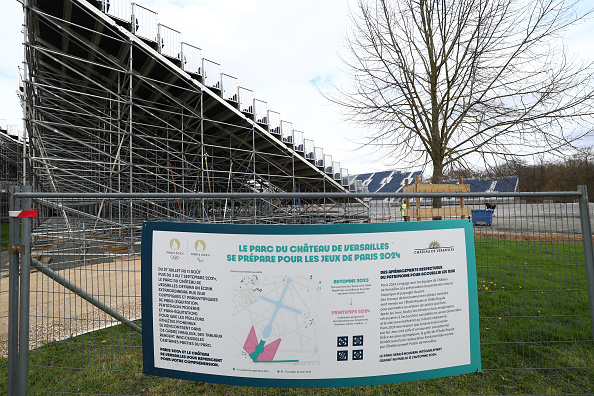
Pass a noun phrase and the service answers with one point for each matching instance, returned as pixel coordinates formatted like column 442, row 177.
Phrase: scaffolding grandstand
column 116, row 102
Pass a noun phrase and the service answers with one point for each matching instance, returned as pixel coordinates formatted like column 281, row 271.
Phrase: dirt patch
column 528, row 236
column 57, row 313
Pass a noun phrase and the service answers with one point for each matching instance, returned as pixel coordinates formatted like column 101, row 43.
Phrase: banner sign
column 309, row 305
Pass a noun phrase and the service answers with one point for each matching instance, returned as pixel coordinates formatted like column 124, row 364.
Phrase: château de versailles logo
column 435, row 247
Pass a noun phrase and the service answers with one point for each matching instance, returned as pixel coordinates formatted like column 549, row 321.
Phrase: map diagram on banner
column 276, row 318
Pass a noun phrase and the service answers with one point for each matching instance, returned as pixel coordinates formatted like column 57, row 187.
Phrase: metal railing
column 169, row 41
column 144, row 22
column 229, row 87
column 212, row 73
column 191, row 58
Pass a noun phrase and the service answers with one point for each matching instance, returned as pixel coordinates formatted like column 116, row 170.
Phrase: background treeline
column 563, row 174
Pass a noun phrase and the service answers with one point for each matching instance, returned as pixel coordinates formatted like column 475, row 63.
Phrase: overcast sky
column 276, row 48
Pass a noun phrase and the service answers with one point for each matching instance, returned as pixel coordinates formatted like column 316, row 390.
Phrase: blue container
column 482, row 216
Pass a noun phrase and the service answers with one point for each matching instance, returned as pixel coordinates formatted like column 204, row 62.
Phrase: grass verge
column 4, row 236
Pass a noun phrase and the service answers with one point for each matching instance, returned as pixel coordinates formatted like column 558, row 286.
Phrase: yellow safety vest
column 403, row 209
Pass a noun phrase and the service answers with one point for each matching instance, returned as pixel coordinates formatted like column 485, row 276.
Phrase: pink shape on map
column 270, row 351
column 251, row 342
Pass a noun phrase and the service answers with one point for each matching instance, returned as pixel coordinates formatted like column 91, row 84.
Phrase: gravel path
column 57, row 313
column 542, row 218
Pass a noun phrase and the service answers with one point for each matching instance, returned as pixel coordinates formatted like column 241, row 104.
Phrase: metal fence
column 76, row 296
column 3, row 283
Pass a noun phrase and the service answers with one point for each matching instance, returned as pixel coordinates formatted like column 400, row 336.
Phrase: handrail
column 310, row 195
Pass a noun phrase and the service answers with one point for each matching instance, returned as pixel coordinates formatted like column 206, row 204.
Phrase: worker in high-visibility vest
column 403, row 211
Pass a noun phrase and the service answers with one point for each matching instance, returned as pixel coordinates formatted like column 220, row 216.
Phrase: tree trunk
column 437, row 178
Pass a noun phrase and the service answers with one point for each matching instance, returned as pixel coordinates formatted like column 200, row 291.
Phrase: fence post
column 13, row 295
column 25, row 294
column 588, row 248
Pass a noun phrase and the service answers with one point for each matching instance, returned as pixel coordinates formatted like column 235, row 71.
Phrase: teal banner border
column 306, row 229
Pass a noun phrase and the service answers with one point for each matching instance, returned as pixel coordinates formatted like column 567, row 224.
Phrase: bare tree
column 465, row 82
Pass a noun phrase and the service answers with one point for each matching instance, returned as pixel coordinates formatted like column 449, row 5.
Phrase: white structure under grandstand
column 392, row 181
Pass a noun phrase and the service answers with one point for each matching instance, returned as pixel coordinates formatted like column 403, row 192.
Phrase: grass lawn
column 535, row 339
column 3, row 236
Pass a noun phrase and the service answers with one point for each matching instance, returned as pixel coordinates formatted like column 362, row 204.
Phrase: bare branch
column 446, row 82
